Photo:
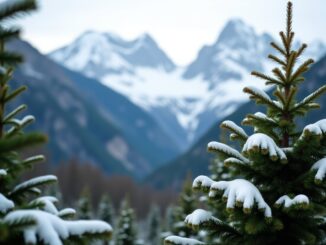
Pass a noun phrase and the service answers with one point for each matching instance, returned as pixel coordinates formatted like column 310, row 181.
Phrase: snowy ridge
column 185, row 100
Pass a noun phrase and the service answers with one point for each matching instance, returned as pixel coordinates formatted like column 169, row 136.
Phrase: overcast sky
column 181, row 27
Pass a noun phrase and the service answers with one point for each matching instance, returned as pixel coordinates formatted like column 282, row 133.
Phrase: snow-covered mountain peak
column 98, row 54
column 235, row 32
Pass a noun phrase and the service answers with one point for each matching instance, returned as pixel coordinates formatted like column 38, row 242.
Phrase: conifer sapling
column 276, row 190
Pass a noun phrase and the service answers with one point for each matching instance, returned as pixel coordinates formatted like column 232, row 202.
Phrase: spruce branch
column 9, row 33
column 277, row 60
column 301, row 49
column 307, row 100
column 278, row 73
column 301, row 69
column 261, row 97
column 19, row 142
column 14, row 113
column 238, row 131
column 14, row 9
column 269, row 80
column 278, row 48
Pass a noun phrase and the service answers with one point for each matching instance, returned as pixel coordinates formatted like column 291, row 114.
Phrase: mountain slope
column 197, row 160
column 79, row 126
column 184, row 101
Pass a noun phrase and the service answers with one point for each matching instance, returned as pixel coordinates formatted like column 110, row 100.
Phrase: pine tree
column 84, row 205
column 187, row 203
column 126, row 231
column 154, row 226
column 277, row 191
column 106, row 210
column 27, row 217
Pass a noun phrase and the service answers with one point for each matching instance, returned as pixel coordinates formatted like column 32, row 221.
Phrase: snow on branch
column 261, row 96
column 3, row 172
column 51, row 230
column 240, row 192
column 259, row 116
column 310, row 98
column 202, row 182
column 317, row 128
column 265, row 145
column 231, row 161
column 320, row 166
column 175, row 240
column 299, row 201
column 235, row 129
column 67, row 213
column 42, row 180
column 5, row 204
column 47, row 204
column 218, row 147
column 199, row 217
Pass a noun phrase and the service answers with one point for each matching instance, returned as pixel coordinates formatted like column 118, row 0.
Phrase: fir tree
column 105, row 209
column 84, row 205
column 154, row 226
column 126, row 231
column 27, row 217
column 187, row 203
column 279, row 197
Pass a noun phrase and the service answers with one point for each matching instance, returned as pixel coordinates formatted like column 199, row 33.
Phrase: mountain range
column 128, row 108
column 185, row 101
column 87, row 120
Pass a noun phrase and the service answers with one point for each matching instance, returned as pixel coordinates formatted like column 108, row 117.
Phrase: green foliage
column 84, row 205
column 154, row 226
column 106, row 209
column 271, row 189
column 126, row 231
column 25, row 215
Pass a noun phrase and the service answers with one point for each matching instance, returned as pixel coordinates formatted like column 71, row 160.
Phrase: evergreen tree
column 84, row 205
column 106, row 210
column 126, row 231
column 27, row 217
column 187, row 203
column 154, row 226
column 277, row 191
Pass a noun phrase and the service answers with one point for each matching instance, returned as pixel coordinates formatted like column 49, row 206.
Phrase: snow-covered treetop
column 301, row 200
column 238, row 191
column 265, row 145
